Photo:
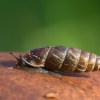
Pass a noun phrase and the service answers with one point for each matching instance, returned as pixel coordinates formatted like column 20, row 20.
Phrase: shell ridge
column 63, row 58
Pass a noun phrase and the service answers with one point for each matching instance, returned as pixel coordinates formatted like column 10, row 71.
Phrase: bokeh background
column 28, row 24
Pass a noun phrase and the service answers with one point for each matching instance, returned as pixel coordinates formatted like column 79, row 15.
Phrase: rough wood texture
column 22, row 85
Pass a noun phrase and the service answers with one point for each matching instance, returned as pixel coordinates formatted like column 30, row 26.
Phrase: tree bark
column 23, row 85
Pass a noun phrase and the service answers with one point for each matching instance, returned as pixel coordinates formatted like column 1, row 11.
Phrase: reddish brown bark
column 22, row 85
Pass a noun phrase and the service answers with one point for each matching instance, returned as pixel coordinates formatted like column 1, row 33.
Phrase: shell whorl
column 80, row 61
column 63, row 59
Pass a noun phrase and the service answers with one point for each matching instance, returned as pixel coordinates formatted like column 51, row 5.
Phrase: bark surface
column 22, row 85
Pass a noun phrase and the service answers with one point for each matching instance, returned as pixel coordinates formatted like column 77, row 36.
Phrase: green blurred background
column 28, row 24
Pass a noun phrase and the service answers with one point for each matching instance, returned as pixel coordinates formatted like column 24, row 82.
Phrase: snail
column 61, row 58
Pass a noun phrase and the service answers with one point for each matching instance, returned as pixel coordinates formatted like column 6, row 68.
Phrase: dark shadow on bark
column 73, row 74
column 7, row 63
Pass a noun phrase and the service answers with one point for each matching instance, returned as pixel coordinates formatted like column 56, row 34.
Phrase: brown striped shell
column 63, row 59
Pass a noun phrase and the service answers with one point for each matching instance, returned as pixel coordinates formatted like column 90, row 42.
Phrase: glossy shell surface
column 63, row 59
